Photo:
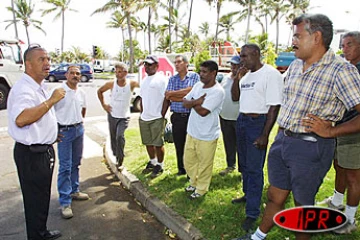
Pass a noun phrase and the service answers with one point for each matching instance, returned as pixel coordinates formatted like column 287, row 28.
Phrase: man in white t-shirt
column 151, row 122
column 70, row 112
column 228, row 117
column 260, row 100
column 205, row 101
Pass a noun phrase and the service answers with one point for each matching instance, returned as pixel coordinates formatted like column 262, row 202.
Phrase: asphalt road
column 111, row 213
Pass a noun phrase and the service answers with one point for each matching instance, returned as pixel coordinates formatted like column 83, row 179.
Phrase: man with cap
column 151, row 121
column 228, row 116
column 179, row 85
column 260, row 99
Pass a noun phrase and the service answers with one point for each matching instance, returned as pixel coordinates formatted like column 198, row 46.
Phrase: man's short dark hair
column 353, row 34
column 252, row 46
column 211, row 65
column 317, row 22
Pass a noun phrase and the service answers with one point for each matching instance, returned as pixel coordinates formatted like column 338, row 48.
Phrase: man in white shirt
column 228, row 117
column 32, row 124
column 151, row 122
column 118, row 109
column 70, row 112
column 205, row 101
column 260, row 100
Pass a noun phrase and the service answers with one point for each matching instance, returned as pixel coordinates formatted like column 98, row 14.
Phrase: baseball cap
column 234, row 60
column 151, row 59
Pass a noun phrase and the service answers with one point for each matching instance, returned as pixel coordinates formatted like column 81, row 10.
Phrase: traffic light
column 95, row 50
column 57, row 51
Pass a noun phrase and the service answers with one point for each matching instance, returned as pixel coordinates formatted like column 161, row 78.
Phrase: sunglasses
column 148, row 64
column 30, row 48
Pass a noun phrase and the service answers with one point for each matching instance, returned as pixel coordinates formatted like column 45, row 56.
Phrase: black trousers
column 228, row 129
column 35, row 168
column 179, row 123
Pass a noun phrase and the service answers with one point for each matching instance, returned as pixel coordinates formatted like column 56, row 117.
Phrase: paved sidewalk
column 178, row 224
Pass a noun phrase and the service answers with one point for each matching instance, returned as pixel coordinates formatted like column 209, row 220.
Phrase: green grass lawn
column 213, row 215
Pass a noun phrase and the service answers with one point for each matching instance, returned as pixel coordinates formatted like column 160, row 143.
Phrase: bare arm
column 178, row 95
column 235, row 88
column 326, row 129
column 196, row 104
column 165, row 107
column 262, row 141
column 133, row 85
column 83, row 112
column 101, row 90
column 31, row 115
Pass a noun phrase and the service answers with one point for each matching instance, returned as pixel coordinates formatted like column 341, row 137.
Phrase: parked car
column 59, row 72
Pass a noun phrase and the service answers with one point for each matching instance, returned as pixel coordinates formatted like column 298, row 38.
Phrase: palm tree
column 61, row 6
column 79, row 56
column 117, row 20
column 218, row 8
column 248, row 5
column 190, row 13
column 227, row 23
column 23, row 12
column 128, row 7
column 204, row 28
column 14, row 19
column 152, row 8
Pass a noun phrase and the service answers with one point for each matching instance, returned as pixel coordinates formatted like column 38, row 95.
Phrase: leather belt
column 253, row 115
column 309, row 137
column 69, row 126
column 182, row 114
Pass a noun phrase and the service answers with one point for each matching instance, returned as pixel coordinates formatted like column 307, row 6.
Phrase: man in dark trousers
column 33, row 125
column 179, row 85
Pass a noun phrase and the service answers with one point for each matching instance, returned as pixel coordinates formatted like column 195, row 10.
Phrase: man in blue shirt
column 179, row 85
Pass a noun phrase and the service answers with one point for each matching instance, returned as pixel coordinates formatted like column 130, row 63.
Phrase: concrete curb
column 178, row 224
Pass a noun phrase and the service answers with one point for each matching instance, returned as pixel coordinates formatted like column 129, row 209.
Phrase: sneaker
column 245, row 237
column 157, row 170
column 80, row 196
column 190, row 189
column 328, row 202
column 226, row 171
column 248, row 224
column 348, row 228
column 239, row 200
column 66, row 212
column 149, row 167
column 195, row 195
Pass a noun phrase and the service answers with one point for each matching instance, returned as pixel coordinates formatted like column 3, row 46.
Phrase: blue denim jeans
column 251, row 159
column 70, row 150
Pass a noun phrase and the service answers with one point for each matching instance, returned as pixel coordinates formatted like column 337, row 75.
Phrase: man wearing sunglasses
column 33, row 125
column 151, row 122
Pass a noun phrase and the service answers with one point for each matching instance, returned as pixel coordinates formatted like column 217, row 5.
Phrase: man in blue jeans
column 260, row 99
column 70, row 112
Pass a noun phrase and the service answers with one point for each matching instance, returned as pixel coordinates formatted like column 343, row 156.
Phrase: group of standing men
column 318, row 88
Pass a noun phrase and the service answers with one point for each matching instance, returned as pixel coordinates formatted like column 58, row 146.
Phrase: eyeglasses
column 148, row 64
column 30, row 48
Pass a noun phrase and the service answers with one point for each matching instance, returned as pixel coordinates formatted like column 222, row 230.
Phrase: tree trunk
column 189, row 22
column 131, row 52
column 277, row 34
column 149, row 30
column 27, row 34
column 63, row 31
column 14, row 19
column 248, row 23
column 217, row 20
column 170, row 17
